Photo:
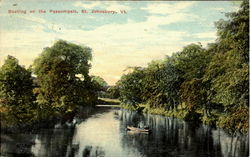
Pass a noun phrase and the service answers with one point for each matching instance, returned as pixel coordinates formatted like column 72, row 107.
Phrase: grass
column 108, row 101
column 178, row 113
column 129, row 107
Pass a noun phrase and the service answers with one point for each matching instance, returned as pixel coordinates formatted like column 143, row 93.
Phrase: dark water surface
column 104, row 133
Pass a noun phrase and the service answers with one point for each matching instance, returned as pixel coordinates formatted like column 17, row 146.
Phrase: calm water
column 104, row 133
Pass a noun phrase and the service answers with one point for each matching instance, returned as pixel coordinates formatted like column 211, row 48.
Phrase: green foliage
column 193, row 94
column 152, row 93
column 130, row 107
column 130, row 86
column 209, row 120
column 237, row 119
column 62, row 74
column 178, row 113
column 162, row 83
column 113, row 92
column 100, row 81
column 99, row 85
column 228, row 72
column 192, row 61
column 16, row 90
column 234, row 33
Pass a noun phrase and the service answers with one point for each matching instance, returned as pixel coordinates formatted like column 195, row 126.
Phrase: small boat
column 130, row 128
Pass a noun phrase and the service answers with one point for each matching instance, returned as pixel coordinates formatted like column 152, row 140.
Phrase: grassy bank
column 108, row 101
column 236, row 120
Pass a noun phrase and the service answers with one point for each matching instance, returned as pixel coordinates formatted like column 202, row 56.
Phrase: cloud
column 219, row 9
column 169, row 19
column 103, row 5
column 118, row 6
column 167, row 8
column 89, row 5
column 206, row 35
column 42, row 24
column 32, row 19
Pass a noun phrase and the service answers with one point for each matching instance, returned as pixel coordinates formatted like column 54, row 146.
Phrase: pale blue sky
column 150, row 30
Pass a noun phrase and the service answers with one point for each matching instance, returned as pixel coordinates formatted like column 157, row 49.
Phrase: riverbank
column 10, row 121
column 236, row 121
column 11, row 125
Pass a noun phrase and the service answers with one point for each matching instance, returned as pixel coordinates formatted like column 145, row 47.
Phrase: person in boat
column 142, row 127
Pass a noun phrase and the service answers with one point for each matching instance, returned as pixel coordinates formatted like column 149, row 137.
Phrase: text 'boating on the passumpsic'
column 51, row 11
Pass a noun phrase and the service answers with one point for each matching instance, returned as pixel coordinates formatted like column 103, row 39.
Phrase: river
column 103, row 133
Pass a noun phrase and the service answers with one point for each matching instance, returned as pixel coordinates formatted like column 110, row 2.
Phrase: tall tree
column 152, row 93
column 113, row 92
column 192, row 61
column 228, row 72
column 63, row 79
column 171, row 80
column 16, row 89
column 130, row 86
column 162, row 83
column 100, row 81
column 100, row 86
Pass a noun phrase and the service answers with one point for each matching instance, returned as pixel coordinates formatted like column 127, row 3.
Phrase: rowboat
column 130, row 128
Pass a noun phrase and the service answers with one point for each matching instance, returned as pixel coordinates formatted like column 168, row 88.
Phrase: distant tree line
column 209, row 84
column 56, row 85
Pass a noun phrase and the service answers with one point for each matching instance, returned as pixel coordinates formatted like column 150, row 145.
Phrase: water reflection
column 173, row 137
column 103, row 134
column 58, row 139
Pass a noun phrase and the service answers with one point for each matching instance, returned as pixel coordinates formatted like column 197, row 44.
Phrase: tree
column 228, row 72
column 63, row 79
column 192, row 61
column 130, row 86
column 100, row 85
column 161, row 84
column 233, row 34
column 193, row 94
column 16, row 89
column 114, row 92
column 171, row 80
column 100, row 81
column 152, row 93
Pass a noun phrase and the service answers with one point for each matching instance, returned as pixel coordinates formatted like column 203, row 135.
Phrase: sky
column 146, row 31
